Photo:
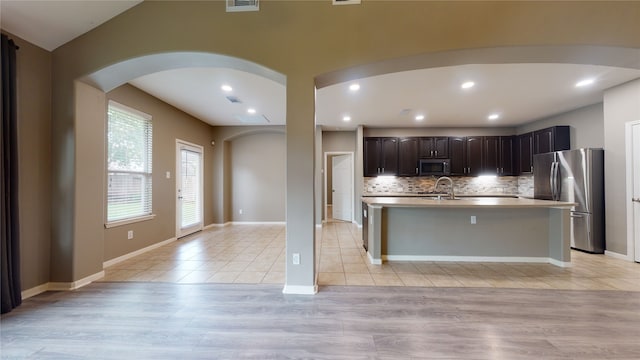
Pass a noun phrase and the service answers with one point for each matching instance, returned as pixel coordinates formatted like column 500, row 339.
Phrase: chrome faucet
column 435, row 187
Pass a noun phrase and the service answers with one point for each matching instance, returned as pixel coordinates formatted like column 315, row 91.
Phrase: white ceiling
column 520, row 93
column 50, row 23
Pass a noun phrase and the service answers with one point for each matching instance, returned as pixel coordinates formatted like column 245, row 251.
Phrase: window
column 129, row 147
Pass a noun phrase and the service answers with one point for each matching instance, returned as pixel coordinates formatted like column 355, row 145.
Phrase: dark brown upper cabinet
column 434, row 148
column 457, row 154
column 466, row 155
column 380, row 156
column 408, row 156
column 555, row 138
column 524, row 153
column 497, row 155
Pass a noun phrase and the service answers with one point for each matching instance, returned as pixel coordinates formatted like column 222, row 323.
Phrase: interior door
column 635, row 144
column 341, row 180
column 189, row 181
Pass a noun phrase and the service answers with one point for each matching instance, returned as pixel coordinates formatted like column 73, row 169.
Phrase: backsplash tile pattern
column 508, row 185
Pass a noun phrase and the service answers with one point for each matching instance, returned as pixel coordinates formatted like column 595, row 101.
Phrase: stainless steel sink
column 441, row 197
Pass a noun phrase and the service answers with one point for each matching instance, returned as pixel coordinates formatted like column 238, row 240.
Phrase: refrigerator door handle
column 551, row 184
column 556, row 190
column 554, row 181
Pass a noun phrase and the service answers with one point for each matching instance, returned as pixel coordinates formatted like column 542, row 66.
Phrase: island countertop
column 465, row 202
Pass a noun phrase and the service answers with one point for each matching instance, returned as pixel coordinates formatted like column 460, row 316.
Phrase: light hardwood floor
column 143, row 320
column 255, row 254
column 184, row 301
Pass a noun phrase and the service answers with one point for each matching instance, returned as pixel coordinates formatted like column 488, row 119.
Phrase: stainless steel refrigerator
column 575, row 176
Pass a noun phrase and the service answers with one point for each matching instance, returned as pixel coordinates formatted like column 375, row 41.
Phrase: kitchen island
column 489, row 229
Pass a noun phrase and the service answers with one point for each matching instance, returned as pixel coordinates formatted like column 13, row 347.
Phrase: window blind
column 129, row 155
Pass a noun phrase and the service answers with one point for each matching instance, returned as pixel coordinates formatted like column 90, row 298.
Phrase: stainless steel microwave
column 435, row 167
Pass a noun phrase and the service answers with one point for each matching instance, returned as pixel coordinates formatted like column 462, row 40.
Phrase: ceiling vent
column 346, row 2
column 234, row 100
column 243, row 5
column 252, row 119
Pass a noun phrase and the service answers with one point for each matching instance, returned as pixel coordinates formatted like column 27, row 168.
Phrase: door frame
column 632, row 249
column 325, row 190
column 200, row 149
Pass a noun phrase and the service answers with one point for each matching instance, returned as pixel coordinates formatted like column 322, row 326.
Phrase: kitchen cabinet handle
column 436, row 153
column 416, row 170
column 635, row 200
column 431, row 153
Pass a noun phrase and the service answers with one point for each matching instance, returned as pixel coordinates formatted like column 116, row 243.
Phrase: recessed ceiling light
column 346, row 118
column 354, row 87
column 226, row 88
column 585, row 82
column 493, row 116
column 251, row 110
column 467, row 85
column 419, row 117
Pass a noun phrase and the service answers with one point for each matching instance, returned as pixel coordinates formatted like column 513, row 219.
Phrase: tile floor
column 256, row 254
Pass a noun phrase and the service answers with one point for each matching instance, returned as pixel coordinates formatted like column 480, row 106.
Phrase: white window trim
column 128, row 221
column 132, row 220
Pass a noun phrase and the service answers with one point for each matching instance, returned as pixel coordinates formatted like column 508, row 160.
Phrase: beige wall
column 257, row 163
column 338, row 141
column 222, row 182
column 621, row 105
column 587, row 126
column 425, row 131
column 373, row 32
column 169, row 124
column 34, row 148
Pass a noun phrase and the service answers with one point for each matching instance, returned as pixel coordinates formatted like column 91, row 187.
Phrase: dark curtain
column 9, row 251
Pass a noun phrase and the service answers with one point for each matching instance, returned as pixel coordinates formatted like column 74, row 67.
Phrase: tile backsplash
column 508, row 185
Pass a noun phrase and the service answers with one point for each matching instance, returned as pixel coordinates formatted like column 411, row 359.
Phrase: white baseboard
column 300, row 289
column 217, row 225
column 374, row 261
column 618, row 256
column 257, row 223
column 128, row 256
column 564, row 264
column 515, row 259
column 64, row 286
column 35, row 291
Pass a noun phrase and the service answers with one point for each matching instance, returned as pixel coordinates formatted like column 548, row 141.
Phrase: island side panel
column 560, row 236
column 375, row 234
column 498, row 232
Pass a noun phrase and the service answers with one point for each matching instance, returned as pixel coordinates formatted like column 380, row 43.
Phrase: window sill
column 128, row 221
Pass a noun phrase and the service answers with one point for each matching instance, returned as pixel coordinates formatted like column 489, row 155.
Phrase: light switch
column 168, row 175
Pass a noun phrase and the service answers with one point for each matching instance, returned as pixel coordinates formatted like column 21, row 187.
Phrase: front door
column 189, row 209
column 341, row 181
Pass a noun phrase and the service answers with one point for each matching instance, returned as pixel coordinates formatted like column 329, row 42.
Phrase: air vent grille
column 346, row 2
column 234, row 100
column 243, row 5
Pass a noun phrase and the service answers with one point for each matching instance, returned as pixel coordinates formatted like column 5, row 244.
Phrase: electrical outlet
column 473, row 219
column 296, row 258
column 240, row 211
column 130, row 234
